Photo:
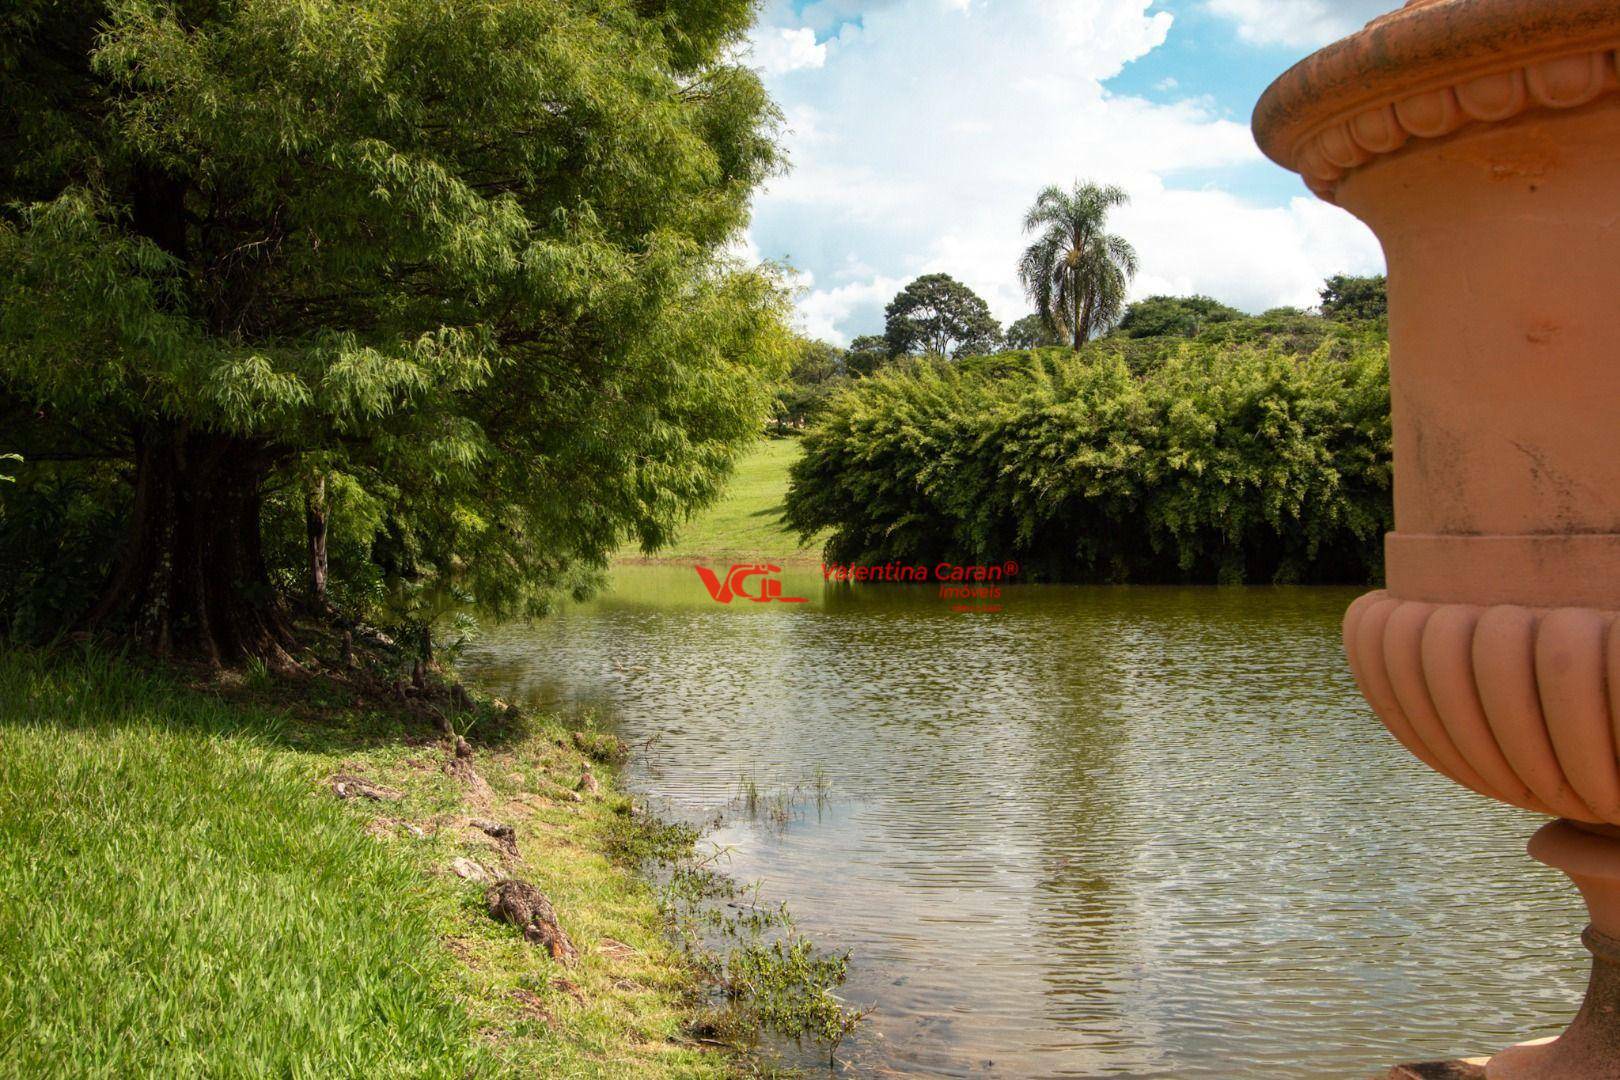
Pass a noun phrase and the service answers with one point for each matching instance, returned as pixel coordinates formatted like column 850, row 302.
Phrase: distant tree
column 1076, row 272
column 867, row 353
column 818, row 369
column 1032, row 332
column 939, row 316
column 1174, row 316
column 1286, row 311
column 1287, row 330
column 816, row 362
column 1347, row 299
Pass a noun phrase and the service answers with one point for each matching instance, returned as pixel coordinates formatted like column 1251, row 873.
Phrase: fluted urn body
column 1480, row 140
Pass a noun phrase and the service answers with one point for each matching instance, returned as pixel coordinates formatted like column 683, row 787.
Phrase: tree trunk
column 191, row 580
column 1082, row 322
column 315, row 514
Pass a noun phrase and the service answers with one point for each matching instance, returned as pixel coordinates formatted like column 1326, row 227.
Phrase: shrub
column 58, row 530
column 1215, row 462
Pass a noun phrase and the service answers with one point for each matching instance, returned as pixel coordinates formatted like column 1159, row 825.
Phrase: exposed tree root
column 526, row 907
column 345, row 786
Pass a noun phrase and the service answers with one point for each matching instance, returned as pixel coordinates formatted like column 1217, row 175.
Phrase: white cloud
column 931, row 125
column 1299, row 22
column 1253, row 257
column 779, row 50
column 827, row 313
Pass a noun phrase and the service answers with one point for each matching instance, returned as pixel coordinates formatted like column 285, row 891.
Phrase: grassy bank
column 182, row 891
column 745, row 525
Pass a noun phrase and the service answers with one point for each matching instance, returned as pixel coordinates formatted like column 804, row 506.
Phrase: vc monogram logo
column 736, row 584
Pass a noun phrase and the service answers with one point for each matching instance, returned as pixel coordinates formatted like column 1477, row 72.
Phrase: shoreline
column 462, row 880
column 416, row 833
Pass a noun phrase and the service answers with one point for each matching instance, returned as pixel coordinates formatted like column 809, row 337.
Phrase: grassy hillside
column 182, row 892
column 746, row 523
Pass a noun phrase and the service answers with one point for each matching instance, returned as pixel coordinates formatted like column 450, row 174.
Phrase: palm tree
column 1076, row 272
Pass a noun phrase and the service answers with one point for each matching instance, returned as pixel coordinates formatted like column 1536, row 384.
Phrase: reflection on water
column 1103, row 833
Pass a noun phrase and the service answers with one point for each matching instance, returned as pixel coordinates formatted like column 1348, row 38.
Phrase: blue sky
column 920, row 130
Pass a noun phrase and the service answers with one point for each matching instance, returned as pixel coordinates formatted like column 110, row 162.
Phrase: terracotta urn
column 1480, row 140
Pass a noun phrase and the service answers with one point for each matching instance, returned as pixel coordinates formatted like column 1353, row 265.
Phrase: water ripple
column 1148, row 833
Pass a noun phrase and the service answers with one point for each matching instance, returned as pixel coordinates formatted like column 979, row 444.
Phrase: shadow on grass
column 190, row 902
column 82, row 687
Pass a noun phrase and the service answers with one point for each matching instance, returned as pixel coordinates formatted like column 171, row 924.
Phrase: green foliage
column 772, row 977
column 1076, row 272
column 1292, row 332
column 470, row 257
column 789, row 988
column 57, row 532
column 746, row 524
column 936, row 315
column 1222, row 462
column 1288, row 330
column 1352, row 299
column 1032, row 332
column 818, row 369
column 357, row 531
column 867, row 353
column 1174, row 316
column 816, row 362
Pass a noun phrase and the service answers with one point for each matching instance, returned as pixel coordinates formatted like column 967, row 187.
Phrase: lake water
column 1104, row 832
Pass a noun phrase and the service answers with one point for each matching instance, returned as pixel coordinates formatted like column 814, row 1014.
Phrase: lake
column 1103, row 832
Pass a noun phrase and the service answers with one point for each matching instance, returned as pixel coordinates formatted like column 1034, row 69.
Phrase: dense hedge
column 1207, row 461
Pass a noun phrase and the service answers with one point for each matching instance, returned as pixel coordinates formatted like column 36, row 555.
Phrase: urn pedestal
column 1480, row 140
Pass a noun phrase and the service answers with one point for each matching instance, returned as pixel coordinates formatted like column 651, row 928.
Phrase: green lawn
column 181, row 894
column 746, row 523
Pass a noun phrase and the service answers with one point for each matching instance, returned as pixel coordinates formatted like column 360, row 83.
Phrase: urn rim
column 1341, row 106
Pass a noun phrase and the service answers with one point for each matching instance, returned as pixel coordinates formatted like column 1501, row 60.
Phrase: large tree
column 936, row 315
column 465, row 258
column 1076, row 272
